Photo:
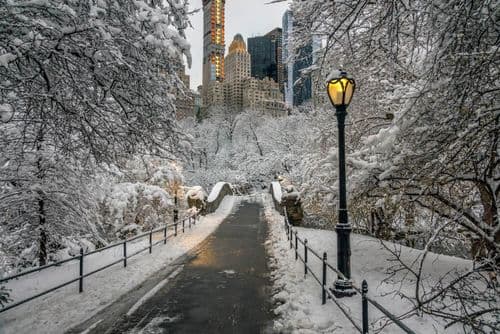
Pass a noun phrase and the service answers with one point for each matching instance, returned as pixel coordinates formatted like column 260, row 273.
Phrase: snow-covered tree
column 434, row 65
column 82, row 83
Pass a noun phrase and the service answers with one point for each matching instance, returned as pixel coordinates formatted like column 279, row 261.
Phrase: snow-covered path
column 64, row 308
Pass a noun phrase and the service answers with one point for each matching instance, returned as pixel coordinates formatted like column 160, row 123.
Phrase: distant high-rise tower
column 237, row 69
column 263, row 55
column 213, row 41
column 237, row 63
column 276, row 36
column 266, row 56
column 298, row 89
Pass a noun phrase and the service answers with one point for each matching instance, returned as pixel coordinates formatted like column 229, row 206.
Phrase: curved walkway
column 221, row 289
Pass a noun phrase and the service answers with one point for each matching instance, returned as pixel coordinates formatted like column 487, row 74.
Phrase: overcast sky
column 247, row 17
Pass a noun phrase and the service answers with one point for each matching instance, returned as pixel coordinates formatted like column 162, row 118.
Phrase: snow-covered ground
column 58, row 311
column 299, row 307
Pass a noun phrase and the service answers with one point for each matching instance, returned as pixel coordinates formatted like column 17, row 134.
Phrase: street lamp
column 340, row 90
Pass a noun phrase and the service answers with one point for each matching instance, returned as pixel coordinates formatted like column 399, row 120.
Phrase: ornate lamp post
column 340, row 90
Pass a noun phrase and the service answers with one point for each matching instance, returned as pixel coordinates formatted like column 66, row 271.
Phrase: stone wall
column 289, row 199
column 215, row 199
column 275, row 190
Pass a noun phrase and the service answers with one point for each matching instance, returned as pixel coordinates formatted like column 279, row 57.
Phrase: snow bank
column 196, row 193
column 6, row 112
column 277, row 194
column 6, row 58
column 64, row 308
column 300, row 308
column 128, row 203
column 216, row 190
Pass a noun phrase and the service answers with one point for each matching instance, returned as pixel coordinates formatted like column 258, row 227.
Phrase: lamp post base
column 343, row 288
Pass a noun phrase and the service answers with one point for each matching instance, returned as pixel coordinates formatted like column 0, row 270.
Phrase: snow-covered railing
column 295, row 240
column 219, row 191
column 277, row 195
column 174, row 227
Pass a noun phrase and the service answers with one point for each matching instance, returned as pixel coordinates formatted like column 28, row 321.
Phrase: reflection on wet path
column 222, row 290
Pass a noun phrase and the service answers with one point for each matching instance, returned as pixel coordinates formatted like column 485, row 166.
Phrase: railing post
column 176, row 214
column 165, row 235
column 189, row 222
column 175, row 229
column 291, row 238
column 150, row 241
column 364, row 291
column 323, row 291
column 183, row 221
column 125, row 253
column 305, row 257
column 296, row 246
column 80, row 286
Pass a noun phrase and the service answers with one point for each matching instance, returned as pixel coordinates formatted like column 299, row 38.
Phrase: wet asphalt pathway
column 221, row 289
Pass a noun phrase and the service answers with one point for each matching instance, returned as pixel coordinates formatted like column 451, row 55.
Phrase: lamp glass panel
column 349, row 90
column 336, row 92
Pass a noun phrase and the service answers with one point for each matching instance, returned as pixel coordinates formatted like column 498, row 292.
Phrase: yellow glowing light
column 341, row 90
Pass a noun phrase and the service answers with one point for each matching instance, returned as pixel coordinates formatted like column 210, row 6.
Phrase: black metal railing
column 174, row 227
column 326, row 294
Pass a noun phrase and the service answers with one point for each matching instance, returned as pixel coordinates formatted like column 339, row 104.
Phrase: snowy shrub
column 131, row 208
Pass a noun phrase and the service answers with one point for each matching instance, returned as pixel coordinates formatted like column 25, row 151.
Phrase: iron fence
column 326, row 294
column 174, row 227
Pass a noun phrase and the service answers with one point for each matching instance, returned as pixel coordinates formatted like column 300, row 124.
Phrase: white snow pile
column 196, row 193
column 277, row 194
column 170, row 174
column 291, row 193
column 298, row 298
column 132, row 205
column 299, row 307
column 6, row 58
column 216, row 190
column 58, row 311
column 6, row 112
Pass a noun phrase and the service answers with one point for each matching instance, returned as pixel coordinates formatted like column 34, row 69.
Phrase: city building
column 298, row 88
column 214, row 94
column 276, row 36
column 263, row 95
column 184, row 97
column 239, row 90
column 263, row 55
column 319, row 95
column 213, row 42
column 266, row 54
column 198, row 103
column 237, row 69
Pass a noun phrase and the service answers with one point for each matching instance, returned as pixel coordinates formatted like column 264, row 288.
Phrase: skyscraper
column 263, row 58
column 237, row 69
column 213, row 42
column 298, row 89
column 266, row 56
column 276, row 36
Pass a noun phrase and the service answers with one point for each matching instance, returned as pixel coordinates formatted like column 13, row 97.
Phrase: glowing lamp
column 340, row 89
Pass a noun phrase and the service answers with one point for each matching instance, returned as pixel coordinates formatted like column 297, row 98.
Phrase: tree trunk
column 42, row 250
column 483, row 249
